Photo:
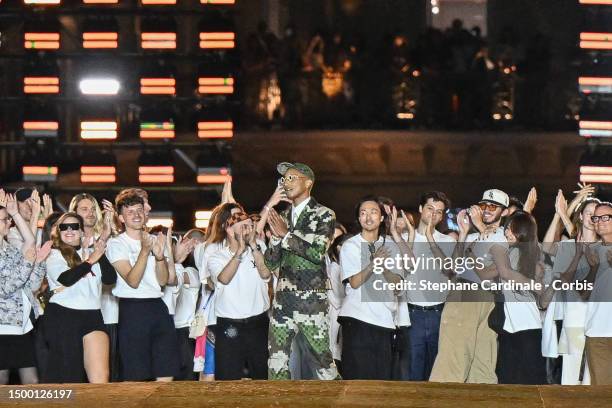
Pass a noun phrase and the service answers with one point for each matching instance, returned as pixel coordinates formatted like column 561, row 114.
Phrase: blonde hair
column 99, row 217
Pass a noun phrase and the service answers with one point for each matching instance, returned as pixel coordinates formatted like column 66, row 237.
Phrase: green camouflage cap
column 283, row 167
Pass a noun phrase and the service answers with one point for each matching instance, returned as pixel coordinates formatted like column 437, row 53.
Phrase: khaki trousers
column 467, row 347
column 599, row 358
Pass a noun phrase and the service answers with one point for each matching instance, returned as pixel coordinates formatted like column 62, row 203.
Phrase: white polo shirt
column 122, row 247
column 246, row 295
column 85, row 294
column 354, row 257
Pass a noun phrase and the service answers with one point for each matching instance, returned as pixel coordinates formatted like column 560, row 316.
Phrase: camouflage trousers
column 304, row 313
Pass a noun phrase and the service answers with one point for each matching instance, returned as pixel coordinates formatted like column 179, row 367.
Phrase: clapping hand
column 158, row 245
column 11, row 205
column 277, row 224
column 532, row 198
column 98, row 251
column 37, row 255
column 47, row 206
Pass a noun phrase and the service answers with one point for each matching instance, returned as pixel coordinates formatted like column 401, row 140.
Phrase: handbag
column 497, row 317
column 200, row 320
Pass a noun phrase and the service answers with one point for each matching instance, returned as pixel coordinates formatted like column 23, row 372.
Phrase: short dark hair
column 436, row 196
column 515, row 202
column 127, row 200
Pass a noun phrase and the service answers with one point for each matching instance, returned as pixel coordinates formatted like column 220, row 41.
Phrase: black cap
column 23, row 194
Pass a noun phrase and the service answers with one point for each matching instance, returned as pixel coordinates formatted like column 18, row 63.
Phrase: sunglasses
column 603, row 218
column 73, row 226
column 488, row 206
column 290, row 179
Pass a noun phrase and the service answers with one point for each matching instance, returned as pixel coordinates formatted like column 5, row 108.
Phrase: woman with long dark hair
column 74, row 329
column 519, row 356
column 235, row 262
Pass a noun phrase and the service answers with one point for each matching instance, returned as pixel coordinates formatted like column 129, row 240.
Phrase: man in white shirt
column 467, row 350
column 147, row 338
column 426, row 306
column 598, row 327
column 301, row 238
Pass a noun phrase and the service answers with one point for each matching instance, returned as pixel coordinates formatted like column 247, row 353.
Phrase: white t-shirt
column 421, row 249
column 122, row 247
column 482, row 248
column 520, row 308
column 171, row 292
column 574, row 307
column 202, row 253
column 599, row 308
column 246, row 295
column 354, row 257
column 109, row 306
column 85, row 294
column 187, row 300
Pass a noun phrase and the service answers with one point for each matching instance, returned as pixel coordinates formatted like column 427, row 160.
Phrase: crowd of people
column 94, row 295
column 453, row 78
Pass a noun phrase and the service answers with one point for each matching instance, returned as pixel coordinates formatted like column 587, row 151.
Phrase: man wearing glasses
column 301, row 237
column 598, row 326
column 467, row 350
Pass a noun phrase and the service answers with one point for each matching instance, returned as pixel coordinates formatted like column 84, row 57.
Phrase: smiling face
column 70, row 231
column 604, row 228
column 296, row 184
column 87, row 210
column 432, row 210
column 585, row 216
column 133, row 217
column 491, row 213
column 370, row 216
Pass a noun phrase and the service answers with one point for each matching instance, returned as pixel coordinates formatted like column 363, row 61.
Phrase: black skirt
column 17, row 351
column 64, row 331
column 519, row 358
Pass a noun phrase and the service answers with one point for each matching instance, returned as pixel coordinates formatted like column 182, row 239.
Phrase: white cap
column 496, row 197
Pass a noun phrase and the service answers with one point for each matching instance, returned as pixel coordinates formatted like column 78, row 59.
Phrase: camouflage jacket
column 300, row 256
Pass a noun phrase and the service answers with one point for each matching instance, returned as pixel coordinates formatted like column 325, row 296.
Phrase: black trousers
column 241, row 348
column 366, row 350
column 519, row 358
column 115, row 360
column 186, row 352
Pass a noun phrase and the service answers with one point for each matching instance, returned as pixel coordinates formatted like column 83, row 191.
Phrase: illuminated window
column 213, row 175
column 202, row 218
column 595, row 84
column 595, row 174
column 40, row 173
column 215, row 85
column 157, row 130
column 596, row 41
column 41, row 85
column 217, row 40
column 39, row 128
column 157, row 86
column 215, row 129
column 99, row 86
column 590, row 128
column 163, row 218
column 99, row 130
column 98, row 174
column 41, row 40
column 156, row 174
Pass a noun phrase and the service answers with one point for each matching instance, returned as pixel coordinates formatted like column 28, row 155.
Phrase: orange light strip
column 584, row 124
column 217, row 40
column 98, row 170
column 103, row 130
column 156, row 169
column 100, row 44
column 211, row 130
column 594, row 81
column 100, row 1
column 158, row 2
column 42, row 36
column 213, row 178
column 218, row 1
column 43, row 41
column 100, row 36
column 42, row 2
column 595, row 170
column 216, row 85
column 40, row 85
column 100, row 40
column 33, row 125
column 158, row 36
column 596, row 2
column 157, row 86
column 157, row 134
column 158, row 40
column 40, row 170
column 596, row 178
column 599, row 41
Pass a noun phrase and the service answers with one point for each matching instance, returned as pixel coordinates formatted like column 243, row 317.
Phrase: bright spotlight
column 99, row 86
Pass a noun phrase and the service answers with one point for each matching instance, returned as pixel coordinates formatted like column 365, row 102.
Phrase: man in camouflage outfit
column 301, row 236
